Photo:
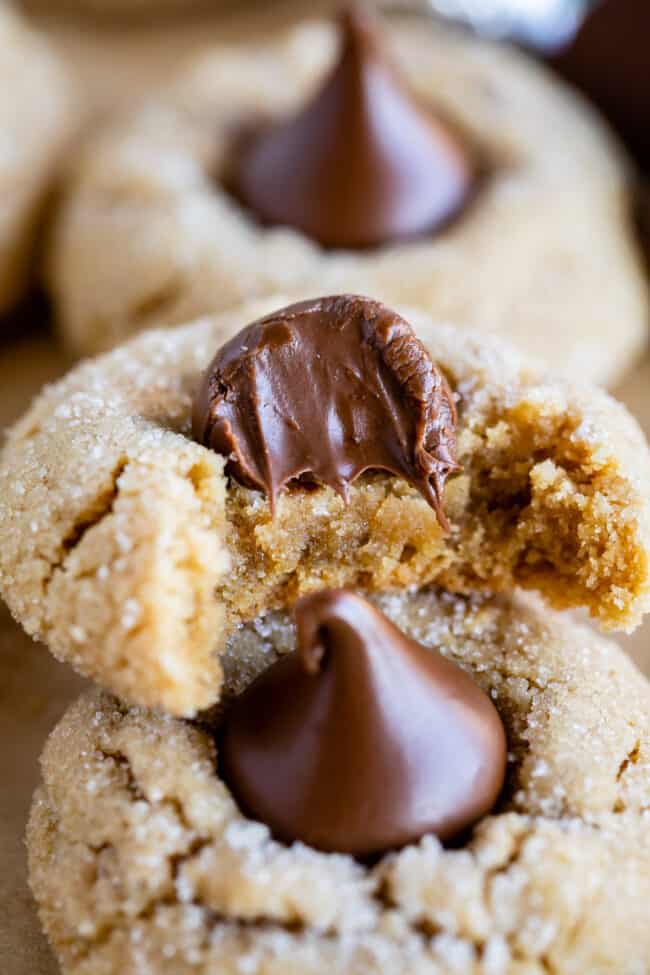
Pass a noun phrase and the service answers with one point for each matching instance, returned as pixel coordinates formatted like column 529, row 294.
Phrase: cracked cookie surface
column 147, row 237
column 36, row 123
column 141, row 861
column 125, row 548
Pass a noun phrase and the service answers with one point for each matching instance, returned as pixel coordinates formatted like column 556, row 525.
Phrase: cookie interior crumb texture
column 148, row 237
column 141, row 861
column 36, row 124
column 125, row 548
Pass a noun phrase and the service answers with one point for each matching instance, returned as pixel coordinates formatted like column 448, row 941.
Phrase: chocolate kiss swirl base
column 362, row 741
column 363, row 163
column 324, row 390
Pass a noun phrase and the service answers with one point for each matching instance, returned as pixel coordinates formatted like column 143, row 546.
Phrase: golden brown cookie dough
column 141, row 861
column 125, row 548
column 148, row 236
column 36, row 123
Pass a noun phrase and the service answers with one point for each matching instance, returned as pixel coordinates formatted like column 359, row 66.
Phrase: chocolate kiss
column 324, row 390
column 362, row 741
column 362, row 163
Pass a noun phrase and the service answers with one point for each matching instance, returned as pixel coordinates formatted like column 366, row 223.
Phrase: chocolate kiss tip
column 362, row 741
column 374, row 401
column 363, row 163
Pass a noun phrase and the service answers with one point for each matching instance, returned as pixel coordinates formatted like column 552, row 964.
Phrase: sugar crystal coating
column 164, row 871
column 552, row 497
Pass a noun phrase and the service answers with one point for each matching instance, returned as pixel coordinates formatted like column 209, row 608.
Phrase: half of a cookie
column 129, row 550
column 140, row 860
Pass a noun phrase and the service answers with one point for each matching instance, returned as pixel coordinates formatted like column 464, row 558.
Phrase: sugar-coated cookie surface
column 35, row 124
column 148, row 236
column 125, row 548
column 141, row 861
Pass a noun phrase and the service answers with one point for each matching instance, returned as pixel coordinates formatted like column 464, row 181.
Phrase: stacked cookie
column 318, row 555
column 212, row 817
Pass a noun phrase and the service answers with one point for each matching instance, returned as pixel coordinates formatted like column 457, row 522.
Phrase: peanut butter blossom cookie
column 157, row 498
column 412, row 162
column 349, row 807
column 35, row 124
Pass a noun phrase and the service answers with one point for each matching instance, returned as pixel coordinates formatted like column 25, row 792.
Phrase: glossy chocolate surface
column 324, row 390
column 362, row 740
column 363, row 163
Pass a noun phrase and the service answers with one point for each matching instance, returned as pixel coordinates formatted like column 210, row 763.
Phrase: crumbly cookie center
column 531, row 508
column 536, row 505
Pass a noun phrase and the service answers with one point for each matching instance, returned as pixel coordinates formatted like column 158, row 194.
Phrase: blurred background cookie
column 36, row 121
column 151, row 232
column 112, row 8
column 607, row 59
column 119, row 55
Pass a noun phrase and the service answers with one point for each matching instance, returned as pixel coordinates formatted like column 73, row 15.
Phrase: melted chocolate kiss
column 609, row 59
column 362, row 741
column 363, row 163
column 325, row 390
